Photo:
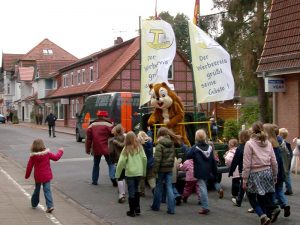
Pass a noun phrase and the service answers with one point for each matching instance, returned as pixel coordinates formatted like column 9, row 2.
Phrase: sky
column 80, row 27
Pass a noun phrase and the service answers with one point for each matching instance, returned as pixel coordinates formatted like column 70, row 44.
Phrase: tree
column 244, row 29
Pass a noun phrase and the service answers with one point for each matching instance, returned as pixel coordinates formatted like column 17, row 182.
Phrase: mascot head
column 160, row 97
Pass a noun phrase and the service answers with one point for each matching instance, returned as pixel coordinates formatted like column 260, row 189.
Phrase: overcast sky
column 80, row 27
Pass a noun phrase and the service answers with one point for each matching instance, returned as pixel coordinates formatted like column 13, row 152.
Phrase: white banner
column 211, row 65
column 158, row 46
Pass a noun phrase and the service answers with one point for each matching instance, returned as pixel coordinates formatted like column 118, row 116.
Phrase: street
column 72, row 178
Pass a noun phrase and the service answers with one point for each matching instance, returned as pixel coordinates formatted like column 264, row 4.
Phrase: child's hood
column 45, row 152
column 206, row 153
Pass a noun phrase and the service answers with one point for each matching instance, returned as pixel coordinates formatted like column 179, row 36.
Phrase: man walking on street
column 50, row 119
column 96, row 143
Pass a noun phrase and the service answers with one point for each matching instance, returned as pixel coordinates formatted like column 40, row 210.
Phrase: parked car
column 2, row 118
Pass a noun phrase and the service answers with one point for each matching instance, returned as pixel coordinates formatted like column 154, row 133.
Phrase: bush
column 15, row 119
column 249, row 114
column 231, row 129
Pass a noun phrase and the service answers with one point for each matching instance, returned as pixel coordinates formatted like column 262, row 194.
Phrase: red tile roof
column 58, row 53
column 282, row 43
column 47, row 68
column 116, row 67
column 10, row 60
column 26, row 73
column 68, row 91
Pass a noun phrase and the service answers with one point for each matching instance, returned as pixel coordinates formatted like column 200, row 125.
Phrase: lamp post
column 237, row 106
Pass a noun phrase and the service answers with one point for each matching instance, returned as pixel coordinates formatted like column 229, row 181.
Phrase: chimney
column 119, row 40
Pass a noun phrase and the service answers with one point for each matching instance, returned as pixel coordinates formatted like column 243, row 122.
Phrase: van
column 122, row 108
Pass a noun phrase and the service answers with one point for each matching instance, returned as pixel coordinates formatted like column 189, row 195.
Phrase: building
column 29, row 77
column 280, row 64
column 114, row 69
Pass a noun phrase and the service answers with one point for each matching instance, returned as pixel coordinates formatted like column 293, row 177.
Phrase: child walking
column 236, row 180
column 40, row 160
column 115, row 145
column 134, row 161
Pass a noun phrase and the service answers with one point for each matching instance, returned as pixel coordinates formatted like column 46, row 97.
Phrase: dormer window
column 47, row 52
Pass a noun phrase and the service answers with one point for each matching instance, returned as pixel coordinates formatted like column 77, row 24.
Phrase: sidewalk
column 15, row 206
column 66, row 130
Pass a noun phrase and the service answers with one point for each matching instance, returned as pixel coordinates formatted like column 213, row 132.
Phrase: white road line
column 74, row 160
column 52, row 218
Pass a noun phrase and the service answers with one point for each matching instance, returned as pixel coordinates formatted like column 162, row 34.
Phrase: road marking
column 52, row 218
column 74, row 160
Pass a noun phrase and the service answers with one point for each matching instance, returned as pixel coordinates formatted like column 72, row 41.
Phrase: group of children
column 137, row 162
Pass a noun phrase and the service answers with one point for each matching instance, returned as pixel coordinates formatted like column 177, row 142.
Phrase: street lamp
column 237, row 106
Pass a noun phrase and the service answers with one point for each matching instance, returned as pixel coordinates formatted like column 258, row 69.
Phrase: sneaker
column 178, row 200
column 130, row 213
column 221, row 193
column 264, row 220
column 287, row 211
column 288, row 193
column 251, row 210
column 234, row 201
column 274, row 215
column 121, row 200
column 204, row 211
column 49, row 210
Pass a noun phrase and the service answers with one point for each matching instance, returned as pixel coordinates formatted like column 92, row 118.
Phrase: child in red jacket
column 40, row 159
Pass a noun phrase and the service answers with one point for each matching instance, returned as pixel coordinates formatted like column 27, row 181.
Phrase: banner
column 158, row 49
column 211, row 65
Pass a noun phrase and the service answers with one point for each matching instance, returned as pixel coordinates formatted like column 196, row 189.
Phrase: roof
column 26, row 73
column 10, row 60
column 47, row 68
column 107, row 76
column 47, row 50
column 282, row 44
column 116, row 67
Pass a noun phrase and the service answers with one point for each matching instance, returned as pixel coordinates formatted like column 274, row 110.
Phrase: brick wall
column 287, row 112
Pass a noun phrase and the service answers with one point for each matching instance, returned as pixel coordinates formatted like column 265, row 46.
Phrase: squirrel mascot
column 168, row 110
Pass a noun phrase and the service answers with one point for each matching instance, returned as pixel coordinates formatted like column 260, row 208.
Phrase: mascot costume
column 168, row 110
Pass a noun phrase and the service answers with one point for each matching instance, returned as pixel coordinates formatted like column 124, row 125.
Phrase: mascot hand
column 151, row 122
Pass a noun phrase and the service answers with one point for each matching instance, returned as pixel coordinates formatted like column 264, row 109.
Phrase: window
column 78, row 77
column 73, row 108
column 91, row 74
column 8, row 89
column 72, row 79
column 65, row 80
column 83, row 75
column 48, row 84
column 59, row 110
column 47, row 52
column 170, row 73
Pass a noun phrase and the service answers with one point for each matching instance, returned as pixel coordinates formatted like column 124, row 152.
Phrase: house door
column 23, row 112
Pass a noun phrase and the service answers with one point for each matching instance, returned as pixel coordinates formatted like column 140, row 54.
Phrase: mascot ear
column 150, row 86
column 164, row 84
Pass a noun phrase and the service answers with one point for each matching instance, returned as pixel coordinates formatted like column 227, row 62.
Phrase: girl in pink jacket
column 40, row 159
column 190, row 181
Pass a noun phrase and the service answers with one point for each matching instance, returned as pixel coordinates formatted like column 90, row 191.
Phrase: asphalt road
column 72, row 177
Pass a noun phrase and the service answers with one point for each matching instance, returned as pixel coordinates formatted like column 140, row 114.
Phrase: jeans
column 288, row 183
column 96, row 168
column 158, row 191
column 279, row 195
column 53, row 130
column 164, row 194
column 203, row 192
column 262, row 204
column 35, row 199
column 132, row 185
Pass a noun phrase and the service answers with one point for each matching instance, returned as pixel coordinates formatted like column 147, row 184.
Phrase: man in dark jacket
column 96, row 143
column 50, row 119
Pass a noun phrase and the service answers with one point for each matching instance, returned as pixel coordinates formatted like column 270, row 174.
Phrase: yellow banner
column 158, row 49
column 211, row 66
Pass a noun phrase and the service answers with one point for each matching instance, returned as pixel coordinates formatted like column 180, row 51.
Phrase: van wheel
column 78, row 138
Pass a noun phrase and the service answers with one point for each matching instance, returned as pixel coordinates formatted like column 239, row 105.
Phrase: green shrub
column 249, row 114
column 231, row 129
column 15, row 119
